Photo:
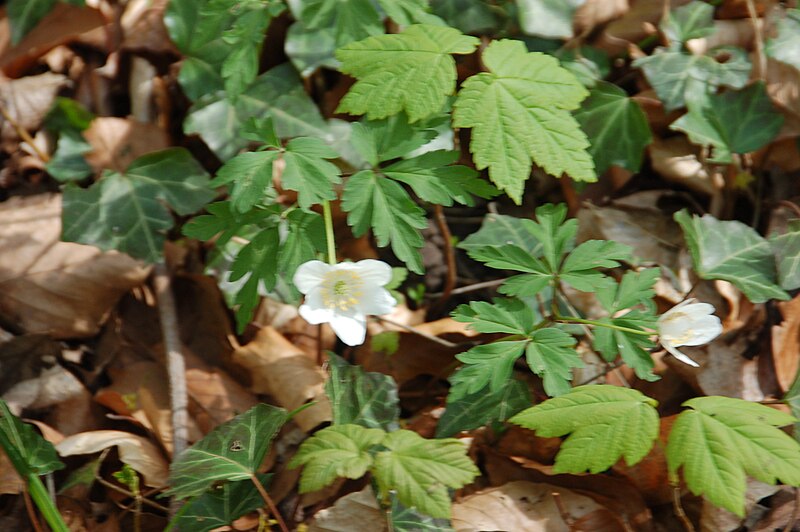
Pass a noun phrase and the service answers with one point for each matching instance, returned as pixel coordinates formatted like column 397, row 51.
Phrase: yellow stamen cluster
column 341, row 289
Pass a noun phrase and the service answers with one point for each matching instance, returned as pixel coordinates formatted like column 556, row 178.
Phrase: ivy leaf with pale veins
column 408, row 519
column 27, row 450
column 350, row 20
column 393, row 137
column 221, row 505
column 786, row 248
column 691, row 21
column 548, row 18
column 361, row 397
column 743, row 257
column 375, row 201
column 411, row 71
column 721, row 439
column 518, row 112
column 617, row 127
column 336, row 451
column 24, row 15
column 435, row 179
column 232, row 451
column 551, row 355
column 785, row 45
column 421, row 470
column 732, row 122
column 129, row 211
column 604, row 423
column 407, row 12
column 498, row 230
column 482, row 407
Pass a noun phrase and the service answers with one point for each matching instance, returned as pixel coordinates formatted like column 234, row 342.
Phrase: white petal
column 697, row 310
column 310, row 274
column 315, row 315
column 704, row 330
column 350, row 330
column 680, row 356
column 376, row 301
column 374, row 272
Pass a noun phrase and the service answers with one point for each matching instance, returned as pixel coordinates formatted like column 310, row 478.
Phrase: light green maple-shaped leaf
column 375, row 201
column 551, row 355
column 721, row 439
column 232, row 451
column 336, row 451
column 743, row 257
column 483, row 407
column 604, row 423
column 792, row 398
column 786, row 248
column 411, row 71
column 496, row 361
column 548, row 18
column 732, row 122
column 407, row 12
column 361, row 397
column 129, row 211
column 785, row 46
column 617, row 127
column 421, row 470
column 509, row 316
column 691, row 21
column 308, row 173
column 350, row 20
column 518, row 112
column 678, row 77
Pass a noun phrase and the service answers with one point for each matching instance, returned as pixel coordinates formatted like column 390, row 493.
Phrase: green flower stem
column 326, row 214
column 565, row 319
column 45, row 504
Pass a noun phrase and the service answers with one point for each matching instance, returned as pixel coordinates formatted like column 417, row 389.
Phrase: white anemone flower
column 344, row 295
column 688, row 323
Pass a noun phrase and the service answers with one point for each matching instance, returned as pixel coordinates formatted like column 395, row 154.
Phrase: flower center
column 341, row 289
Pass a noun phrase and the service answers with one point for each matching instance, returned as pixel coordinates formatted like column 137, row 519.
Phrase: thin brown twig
column 470, row 288
column 449, row 257
column 270, row 503
column 791, row 206
column 758, row 37
column 31, row 512
column 562, row 510
column 127, row 493
column 23, row 134
column 676, row 504
column 432, row 338
column 606, row 370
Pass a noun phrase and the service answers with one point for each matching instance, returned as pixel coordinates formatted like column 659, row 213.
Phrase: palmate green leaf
column 511, row 257
column 635, row 288
column 23, row 15
column 518, row 112
column 220, row 506
column 785, row 45
column 250, row 176
column 555, row 233
column 732, row 122
column 786, row 248
column 495, row 360
column 375, row 201
column 393, row 137
column 27, row 450
column 678, row 77
column 278, row 93
column 691, row 21
column 408, row 519
column 551, row 355
column 336, row 451
column 632, row 347
column 221, row 220
column 308, row 173
column 304, row 239
column 350, row 20
column 68, row 119
column 580, row 267
column 499, row 230
column 411, row 71
column 361, row 397
column 743, row 257
column 548, row 18
column 127, row 211
column 232, row 451
column 421, row 470
column 509, row 316
column 616, row 126
column 604, row 423
column 721, row 439
column 483, row 407
column 434, row 178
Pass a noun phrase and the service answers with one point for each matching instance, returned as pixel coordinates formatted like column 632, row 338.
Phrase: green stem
column 326, row 214
column 45, row 504
column 564, row 319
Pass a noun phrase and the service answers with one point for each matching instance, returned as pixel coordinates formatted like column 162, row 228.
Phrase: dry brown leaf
column 675, row 159
column 650, row 474
column 28, row 100
column 636, row 24
column 284, row 372
column 355, row 511
column 62, row 25
column 137, row 452
column 10, row 481
column 786, row 343
column 593, row 13
column 713, row 518
column 57, row 288
column 783, row 86
column 117, row 142
column 521, row 505
column 144, row 30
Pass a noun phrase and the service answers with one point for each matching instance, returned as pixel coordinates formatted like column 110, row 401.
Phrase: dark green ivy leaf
column 361, row 397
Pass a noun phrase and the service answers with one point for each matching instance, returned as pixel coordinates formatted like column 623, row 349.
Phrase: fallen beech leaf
column 286, row 373
column 136, row 451
column 10, row 481
column 117, row 142
column 786, row 343
column 520, row 505
column 58, row 288
column 28, row 100
column 143, row 27
column 675, row 159
column 356, row 511
column 593, row 13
